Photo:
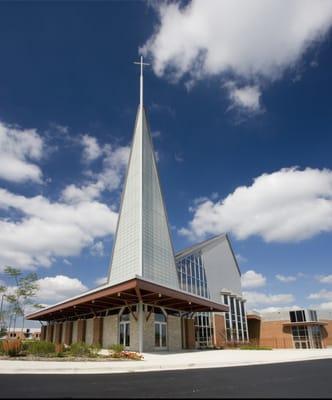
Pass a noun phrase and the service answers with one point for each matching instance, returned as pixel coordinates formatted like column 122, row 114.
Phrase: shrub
column 1, row 348
column 12, row 347
column 40, row 348
column 80, row 349
column 117, row 348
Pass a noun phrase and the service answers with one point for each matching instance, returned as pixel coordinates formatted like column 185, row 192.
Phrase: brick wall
column 97, row 331
column 74, row 332
column 110, row 331
column 81, row 328
column 174, row 333
column 274, row 334
column 89, row 331
column 148, row 332
column 68, row 332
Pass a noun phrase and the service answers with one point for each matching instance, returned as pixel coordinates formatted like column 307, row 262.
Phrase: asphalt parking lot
column 306, row 379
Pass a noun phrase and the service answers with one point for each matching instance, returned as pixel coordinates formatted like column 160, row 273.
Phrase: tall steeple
column 142, row 244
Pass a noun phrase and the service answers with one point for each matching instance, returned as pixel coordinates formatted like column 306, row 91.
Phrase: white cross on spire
column 141, row 63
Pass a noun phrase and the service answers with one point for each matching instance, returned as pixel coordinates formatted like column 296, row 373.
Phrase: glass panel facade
column 192, row 275
column 235, row 319
column 307, row 337
column 192, row 279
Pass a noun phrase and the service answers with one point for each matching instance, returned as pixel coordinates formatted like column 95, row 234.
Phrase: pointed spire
column 142, row 244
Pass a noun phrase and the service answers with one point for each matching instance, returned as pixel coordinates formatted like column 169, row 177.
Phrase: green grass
column 39, row 348
column 253, row 347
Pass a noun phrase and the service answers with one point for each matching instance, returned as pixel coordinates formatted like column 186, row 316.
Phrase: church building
column 154, row 299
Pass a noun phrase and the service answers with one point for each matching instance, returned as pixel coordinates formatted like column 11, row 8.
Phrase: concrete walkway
column 165, row 361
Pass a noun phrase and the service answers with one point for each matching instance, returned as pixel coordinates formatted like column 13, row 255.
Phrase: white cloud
column 257, row 298
column 322, row 294
column 287, row 205
column 325, row 279
column 276, row 309
column 114, row 163
column 19, row 150
column 323, row 306
column 251, row 41
column 97, row 249
column 75, row 194
column 240, row 259
column 58, row 288
column 286, row 279
column 252, row 279
column 91, row 148
column 101, row 281
column 45, row 230
column 246, row 98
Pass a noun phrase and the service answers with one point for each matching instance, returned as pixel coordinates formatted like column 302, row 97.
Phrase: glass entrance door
column 124, row 329
column 125, row 333
column 160, row 337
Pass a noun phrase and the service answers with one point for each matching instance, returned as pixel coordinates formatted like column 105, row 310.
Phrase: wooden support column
column 43, row 332
column 98, row 331
column 81, row 325
column 140, row 326
column 58, row 333
column 219, row 331
column 49, row 333
column 190, row 333
column 68, row 327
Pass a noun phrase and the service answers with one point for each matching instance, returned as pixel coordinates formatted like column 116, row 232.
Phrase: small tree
column 3, row 330
column 25, row 290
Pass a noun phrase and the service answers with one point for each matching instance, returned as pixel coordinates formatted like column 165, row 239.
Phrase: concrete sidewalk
column 165, row 361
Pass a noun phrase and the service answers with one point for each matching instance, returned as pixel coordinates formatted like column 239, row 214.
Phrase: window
column 297, row 316
column 124, row 329
column 160, row 330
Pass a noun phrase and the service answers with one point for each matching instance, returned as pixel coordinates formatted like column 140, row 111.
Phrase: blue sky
column 240, row 111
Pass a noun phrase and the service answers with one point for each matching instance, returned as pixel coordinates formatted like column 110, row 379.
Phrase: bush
column 117, row 348
column 12, row 347
column 1, row 348
column 80, row 349
column 39, row 348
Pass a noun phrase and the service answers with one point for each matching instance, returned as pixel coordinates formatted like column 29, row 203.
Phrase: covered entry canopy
column 127, row 293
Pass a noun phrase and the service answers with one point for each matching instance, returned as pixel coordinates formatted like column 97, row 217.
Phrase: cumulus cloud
column 44, row 230
column 276, row 309
column 19, row 151
column 57, row 288
column 114, row 163
column 252, row 279
column 324, row 306
column 322, row 294
column 253, row 42
column 283, row 206
column 101, row 281
column 325, row 278
column 256, row 298
column 91, row 148
column 286, row 279
column 246, row 98
column 97, row 249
